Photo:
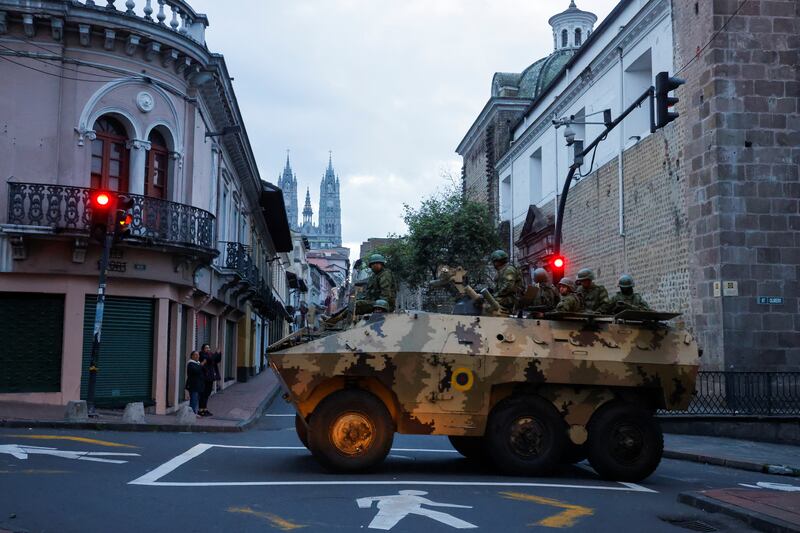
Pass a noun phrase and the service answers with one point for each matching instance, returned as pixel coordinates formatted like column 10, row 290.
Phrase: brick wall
column 742, row 138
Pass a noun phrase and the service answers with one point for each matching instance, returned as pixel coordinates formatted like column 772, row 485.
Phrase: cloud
column 390, row 86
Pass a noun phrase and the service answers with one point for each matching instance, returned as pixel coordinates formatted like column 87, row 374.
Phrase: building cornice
column 492, row 107
column 646, row 19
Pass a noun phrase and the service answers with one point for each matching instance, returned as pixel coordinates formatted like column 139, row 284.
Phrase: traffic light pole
column 108, row 241
column 562, row 204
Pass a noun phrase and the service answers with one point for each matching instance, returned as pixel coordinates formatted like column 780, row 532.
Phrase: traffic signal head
column 100, row 204
column 557, row 266
column 123, row 217
column 665, row 85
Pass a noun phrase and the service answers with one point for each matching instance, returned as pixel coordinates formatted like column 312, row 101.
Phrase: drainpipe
column 511, row 218
column 620, row 166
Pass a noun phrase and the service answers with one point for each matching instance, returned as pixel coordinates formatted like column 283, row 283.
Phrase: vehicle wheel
column 625, row 443
column 302, row 429
column 525, row 436
column 573, row 453
column 350, row 430
column 473, row 448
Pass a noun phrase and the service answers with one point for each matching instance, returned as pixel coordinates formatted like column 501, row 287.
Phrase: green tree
column 446, row 229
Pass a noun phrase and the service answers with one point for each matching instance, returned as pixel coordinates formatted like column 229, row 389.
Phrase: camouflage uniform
column 508, row 287
column 548, row 296
column 382, row 286
column 571, row 303
column 619, row 302
column 595, row 298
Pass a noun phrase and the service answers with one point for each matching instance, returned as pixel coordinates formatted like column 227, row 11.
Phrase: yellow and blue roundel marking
column 462, row 379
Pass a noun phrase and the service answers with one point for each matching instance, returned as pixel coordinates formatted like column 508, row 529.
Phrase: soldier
column 571, row 301
column 548, row 297
column 626, row 298
column 595, row 297
column 381, row 284
column 380, row 306
column 507, row 282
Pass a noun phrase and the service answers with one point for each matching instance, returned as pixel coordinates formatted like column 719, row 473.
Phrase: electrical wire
column 714, row 36
column 50, row 73
column 48, row 61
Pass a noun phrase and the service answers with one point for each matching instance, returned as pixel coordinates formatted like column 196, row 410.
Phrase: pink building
column 128, row 98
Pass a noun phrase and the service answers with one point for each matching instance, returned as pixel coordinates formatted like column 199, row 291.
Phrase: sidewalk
column 235, row 409
column 763, row 457
column 774, row 511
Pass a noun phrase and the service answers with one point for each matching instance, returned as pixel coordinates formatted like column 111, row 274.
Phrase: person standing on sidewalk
column 194, row 380
column 210, row 375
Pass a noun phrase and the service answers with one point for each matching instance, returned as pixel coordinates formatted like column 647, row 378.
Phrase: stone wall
column 742, row 139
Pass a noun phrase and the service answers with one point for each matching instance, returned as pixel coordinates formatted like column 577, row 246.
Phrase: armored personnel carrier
column 527, row 394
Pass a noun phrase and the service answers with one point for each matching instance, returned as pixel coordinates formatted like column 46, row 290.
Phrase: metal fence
column 746, row 393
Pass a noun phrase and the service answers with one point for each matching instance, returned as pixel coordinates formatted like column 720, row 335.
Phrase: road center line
column 152, row 477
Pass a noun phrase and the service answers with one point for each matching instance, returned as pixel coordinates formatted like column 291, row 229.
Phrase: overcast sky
column 390, row 86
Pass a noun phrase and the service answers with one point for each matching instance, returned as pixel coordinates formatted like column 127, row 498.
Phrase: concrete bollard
column 134, row 413
column 76, row 411
column 185, row 415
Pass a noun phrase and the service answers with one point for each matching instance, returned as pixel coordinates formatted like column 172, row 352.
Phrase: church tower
column 330, row 212
column 308, row 213
column 288, row 184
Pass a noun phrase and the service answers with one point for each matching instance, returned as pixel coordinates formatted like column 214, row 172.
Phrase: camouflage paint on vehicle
column 442, row 374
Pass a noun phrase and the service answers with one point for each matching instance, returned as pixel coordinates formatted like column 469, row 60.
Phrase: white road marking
column 152, row 478
column 19, row 451
column 785, row 487
column 395, row 507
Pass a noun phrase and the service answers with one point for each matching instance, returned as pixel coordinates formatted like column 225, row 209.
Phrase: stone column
column 160, row 350
column 174, row 348
column 138, row 149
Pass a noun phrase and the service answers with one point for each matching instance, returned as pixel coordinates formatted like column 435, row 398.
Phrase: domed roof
column 532, row 81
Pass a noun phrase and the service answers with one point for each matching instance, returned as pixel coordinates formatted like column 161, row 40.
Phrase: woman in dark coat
column 194, row 380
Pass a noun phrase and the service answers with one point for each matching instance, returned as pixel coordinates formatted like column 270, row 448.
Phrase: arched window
column 156, row 175
column 564, row 38
column 109, row 156
column 578, row 37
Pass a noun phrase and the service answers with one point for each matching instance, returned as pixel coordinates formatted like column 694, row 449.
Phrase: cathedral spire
column 308, row 213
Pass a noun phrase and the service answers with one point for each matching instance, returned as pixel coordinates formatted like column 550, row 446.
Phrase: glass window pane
column 97, row 147
column 97, row 164
column 117, row 150
column 113, row 183
column 113, row 168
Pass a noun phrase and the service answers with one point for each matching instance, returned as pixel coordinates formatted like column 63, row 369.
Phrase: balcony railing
column 66, row 209
column 236, row 257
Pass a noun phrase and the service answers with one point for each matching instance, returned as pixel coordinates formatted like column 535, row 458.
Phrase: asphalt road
column 264, row 480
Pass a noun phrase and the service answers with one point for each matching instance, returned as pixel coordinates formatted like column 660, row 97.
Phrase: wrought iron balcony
column 238, row 259
column 65, row 209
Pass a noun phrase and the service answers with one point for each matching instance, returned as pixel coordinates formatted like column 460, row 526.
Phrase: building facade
column 703, row 213
column 327, row 233
column 129, row 101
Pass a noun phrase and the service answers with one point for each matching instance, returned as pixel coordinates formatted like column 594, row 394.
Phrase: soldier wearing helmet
column 380, row 306
column 507, row 282
column 381, row 285
column 547, row 298
column 626, row 298
column 571, row 301
column 595, row 297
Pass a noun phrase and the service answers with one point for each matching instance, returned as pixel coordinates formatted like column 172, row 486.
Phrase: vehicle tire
column 473, row 448
column 350, row 431
column 302, row 429
column 573, row 453
column 525, row 436
column 625, row 442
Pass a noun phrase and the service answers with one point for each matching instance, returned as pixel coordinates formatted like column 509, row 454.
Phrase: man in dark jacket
column 209, row 363
column 194, row 380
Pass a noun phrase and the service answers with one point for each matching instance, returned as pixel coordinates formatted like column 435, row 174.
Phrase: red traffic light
column 558, row 262
column 102, row 199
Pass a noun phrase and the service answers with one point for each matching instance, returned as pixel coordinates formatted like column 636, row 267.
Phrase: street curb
column 750, row 466
column 174, row 428
column 755, row 519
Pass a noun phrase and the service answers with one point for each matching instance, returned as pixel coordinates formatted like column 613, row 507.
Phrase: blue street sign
column 770, row 300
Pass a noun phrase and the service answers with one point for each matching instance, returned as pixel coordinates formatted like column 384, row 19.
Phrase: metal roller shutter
column 126, row 351
column 32, row 329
